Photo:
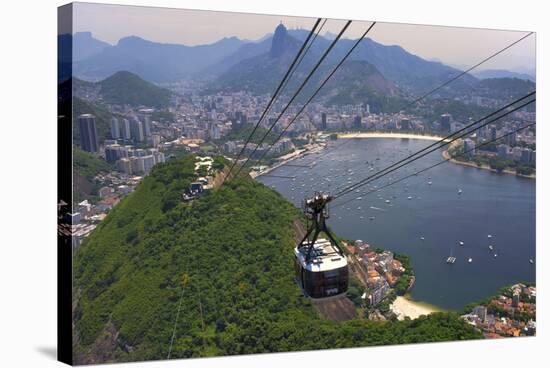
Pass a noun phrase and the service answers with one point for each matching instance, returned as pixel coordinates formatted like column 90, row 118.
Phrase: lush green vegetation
column 127, row 88
column 228, row 254
column 89, row 165
column 86, row 166
column 355, row 291
column 402, row 284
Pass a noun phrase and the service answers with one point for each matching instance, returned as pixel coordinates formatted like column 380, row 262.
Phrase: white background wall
column 28, row 181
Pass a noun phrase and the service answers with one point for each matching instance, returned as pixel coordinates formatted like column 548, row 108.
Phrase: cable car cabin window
column 331, row 274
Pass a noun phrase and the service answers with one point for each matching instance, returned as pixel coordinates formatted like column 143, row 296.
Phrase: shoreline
column 447, row 156
column 283, row 160
column 444, row 153
column 404, row 306
column 388, row 135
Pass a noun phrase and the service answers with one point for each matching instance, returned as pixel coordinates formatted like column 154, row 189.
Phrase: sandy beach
column 388, row 135
column 404, row 307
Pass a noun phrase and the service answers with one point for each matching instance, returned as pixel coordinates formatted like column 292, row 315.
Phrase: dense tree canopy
column 228, row 256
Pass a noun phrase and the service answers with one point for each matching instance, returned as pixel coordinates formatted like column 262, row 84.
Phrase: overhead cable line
column 437, row 145
column 298, row 64
column 466, row 71
column 306, row 80
column 418, row 99
column 314, row 94
column 443, row 161
column 274, row 97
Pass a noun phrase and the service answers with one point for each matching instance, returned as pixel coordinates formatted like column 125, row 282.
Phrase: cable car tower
column 320, row 264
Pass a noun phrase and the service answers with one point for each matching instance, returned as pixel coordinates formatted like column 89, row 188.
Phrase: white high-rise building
column 148, row 163
column 124, row 165
column 138, row 165
column 126, row 134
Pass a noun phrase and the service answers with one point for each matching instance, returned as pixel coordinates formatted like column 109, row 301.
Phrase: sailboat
column 470, row 260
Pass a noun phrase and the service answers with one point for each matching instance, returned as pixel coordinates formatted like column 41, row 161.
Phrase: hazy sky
column 451, row 45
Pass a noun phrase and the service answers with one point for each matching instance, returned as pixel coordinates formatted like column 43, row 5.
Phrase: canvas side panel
column 64, row 183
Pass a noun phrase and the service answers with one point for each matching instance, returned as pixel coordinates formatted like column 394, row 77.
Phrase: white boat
column 429, row 183
column 359, row 198
column 422, row 238
column 491, row 247
column 470, row 260
column 359, row 208
column 371, row 218
column 496, row 255
column 531, row 261
column 451, row 260
column 409, row 198
column 460, row 191
column 461, row 242
column 387, row 201
column 489, row 236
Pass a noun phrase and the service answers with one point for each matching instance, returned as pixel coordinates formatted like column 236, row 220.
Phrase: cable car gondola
column 320, row 264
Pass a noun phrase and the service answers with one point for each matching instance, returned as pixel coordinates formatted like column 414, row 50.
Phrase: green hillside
column 86, row 166
column 126, row 88
column 228, row 255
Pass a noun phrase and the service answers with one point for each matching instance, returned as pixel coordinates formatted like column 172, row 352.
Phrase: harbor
column 426, row 221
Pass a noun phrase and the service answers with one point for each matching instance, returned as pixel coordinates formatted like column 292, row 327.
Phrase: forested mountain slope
column 228, row 257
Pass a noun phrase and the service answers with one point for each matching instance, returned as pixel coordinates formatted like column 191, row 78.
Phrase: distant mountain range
column 161, row 62
column 257, row 66
column 374, row 73
column 155, row 62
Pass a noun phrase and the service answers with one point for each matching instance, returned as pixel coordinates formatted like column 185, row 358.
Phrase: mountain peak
column 132, row 41
column 279, row 41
